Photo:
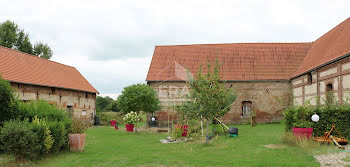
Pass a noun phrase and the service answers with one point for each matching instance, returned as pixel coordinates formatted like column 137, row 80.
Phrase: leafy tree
column 103, row 103
column 113, row 106
column 7, row 102
column 42, row 50
column 13, row 37
column 209, row 97
column 138, row 97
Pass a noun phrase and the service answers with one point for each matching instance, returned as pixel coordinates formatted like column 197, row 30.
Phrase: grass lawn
column 108, row 147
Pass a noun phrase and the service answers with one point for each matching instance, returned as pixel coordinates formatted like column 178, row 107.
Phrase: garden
column 40, row 134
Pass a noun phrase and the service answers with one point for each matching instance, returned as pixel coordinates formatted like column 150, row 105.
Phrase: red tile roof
column 20, row 67
column 332, row 45
column 241, row 61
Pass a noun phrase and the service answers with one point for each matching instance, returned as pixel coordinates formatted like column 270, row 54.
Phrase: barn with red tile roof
column 35, row 78
column 262, row 73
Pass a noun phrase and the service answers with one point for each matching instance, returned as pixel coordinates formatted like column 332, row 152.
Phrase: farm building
column 266, row 76
column 34, row 78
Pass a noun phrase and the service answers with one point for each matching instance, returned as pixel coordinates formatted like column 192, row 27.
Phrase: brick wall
column 268, row 98
column 78, row 100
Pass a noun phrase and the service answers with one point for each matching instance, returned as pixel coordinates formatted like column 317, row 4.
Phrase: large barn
column 34, row 78
column 266, row 76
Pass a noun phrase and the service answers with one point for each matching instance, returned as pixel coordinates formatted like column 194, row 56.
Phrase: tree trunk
column 137, row 117
column 202, row 126
column 207, row 133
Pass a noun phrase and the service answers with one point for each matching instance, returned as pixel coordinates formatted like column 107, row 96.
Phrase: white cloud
column 111, row 42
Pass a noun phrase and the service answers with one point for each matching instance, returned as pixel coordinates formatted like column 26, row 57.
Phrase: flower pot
column 129, row 127
column 76, row 141
column 302, row 132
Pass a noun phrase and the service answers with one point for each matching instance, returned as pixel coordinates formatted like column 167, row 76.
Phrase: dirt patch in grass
column 275, row 146
column 341, row 158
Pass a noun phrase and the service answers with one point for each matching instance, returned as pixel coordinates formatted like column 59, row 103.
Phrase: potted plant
column 130, row 118
column 302, row 127
column 77, row 136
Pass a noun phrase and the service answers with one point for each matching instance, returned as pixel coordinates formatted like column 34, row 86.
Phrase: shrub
column 45, row 139
column 19, row 140
column 131, row 117
column 59, row 133
column 106, row 117
column 41, row 109
column 7, row 102
column 79, row 124
column 329, row 114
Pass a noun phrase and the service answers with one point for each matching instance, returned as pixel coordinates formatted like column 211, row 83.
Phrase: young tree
column 11, row 36
column 209, row 97
column 7, row 102
column 138, row 97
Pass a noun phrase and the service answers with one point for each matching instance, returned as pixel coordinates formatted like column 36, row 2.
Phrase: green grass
column 108, row 147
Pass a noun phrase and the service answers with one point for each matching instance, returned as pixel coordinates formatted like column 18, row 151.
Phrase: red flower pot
column 129, row 127
column 302, row 132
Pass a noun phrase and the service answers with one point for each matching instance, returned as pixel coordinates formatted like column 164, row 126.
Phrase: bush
column 59, row 133
column 79, row 125
column 7, row 102
column 329, row 114
column 19, row 140
column 45, row 139
column 106, row 117
column 42, row 110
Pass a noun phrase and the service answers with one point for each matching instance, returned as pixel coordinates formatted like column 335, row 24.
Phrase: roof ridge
column 242, row 43
column 33, row 56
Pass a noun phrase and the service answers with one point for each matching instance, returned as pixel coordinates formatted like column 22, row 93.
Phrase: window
column 83, row 113
column 70, row 110
column 329, row 93
column 309, row 78
column 246, row 108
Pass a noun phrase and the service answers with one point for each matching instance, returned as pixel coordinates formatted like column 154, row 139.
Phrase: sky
column 111, row 42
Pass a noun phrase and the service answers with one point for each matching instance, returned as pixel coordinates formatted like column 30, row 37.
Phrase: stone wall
column 268, row 98
column 312, row 87
column 80, row 102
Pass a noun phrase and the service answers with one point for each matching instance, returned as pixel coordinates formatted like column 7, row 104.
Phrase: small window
column 246, row 108
column 86, row 95
column 329, row 93
column 309, row 78
column 69, row 110
column 53, row 90
column 83, row 113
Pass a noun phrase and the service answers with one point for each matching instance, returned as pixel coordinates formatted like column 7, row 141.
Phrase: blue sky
column 111, row 42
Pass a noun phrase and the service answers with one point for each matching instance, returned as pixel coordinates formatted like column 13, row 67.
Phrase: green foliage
column 42, row 110
column 11, row 36
column 106, row 117
column 20, row 140
column 209, row 97
column 104, row 104
column 138, row 97
column 59, row 134
column 329, row 114
column 42, row 50
column 176, row 132
column 7, row 102
column 43, row 134
column 131, row 117
column 79, row 124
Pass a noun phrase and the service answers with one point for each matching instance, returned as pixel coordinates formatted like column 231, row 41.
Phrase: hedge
column 329, row 114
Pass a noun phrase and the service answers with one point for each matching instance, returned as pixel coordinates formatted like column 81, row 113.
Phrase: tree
column 138, row 97
column 42, row 50
column 7, row 102
column 102, row 103
column 209, row 97
column 11, row 36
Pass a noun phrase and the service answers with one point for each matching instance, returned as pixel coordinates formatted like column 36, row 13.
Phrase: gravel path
column 334, row 160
